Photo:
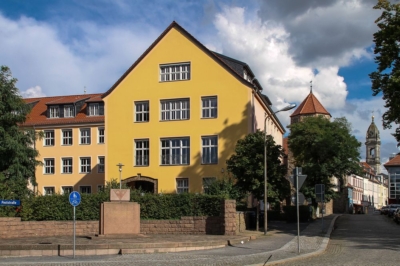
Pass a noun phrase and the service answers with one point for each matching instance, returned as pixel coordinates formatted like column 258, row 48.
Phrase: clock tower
column 373, row 147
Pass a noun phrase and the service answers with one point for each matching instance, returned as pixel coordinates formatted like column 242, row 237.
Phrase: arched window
column 372, row 152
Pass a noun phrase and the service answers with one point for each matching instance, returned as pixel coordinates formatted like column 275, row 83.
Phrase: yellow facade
column 208, row 78
column 76, row 179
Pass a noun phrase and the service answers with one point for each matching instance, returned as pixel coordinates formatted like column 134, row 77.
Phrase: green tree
column 386, row 78
column 247, row 166
column 17, row 153
column 224, row 187
column 324, row 149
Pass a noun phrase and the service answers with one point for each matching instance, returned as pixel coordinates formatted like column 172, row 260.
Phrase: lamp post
column 287, row 108
column 120, row 171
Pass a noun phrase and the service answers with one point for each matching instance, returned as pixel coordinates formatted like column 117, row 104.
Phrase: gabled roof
column 221, row 59
column 309, row 106
column 38, row 114
column 393, row 162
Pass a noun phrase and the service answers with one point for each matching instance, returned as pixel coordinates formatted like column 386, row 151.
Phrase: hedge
column 152, row 206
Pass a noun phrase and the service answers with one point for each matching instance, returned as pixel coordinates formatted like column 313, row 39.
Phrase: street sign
column 10, row 202
column 300, row 177
column 75, row 198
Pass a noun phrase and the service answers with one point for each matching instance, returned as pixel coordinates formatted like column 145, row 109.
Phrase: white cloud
column 33, row 92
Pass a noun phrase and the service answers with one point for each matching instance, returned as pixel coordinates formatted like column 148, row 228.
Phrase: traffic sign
column 75, row 198
column 320, row 192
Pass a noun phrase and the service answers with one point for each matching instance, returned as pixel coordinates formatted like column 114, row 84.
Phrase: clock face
column 371, row 133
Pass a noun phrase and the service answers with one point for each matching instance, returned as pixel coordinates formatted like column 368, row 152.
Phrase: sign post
column 298, row 179
column 320, row 196
column 74, row 200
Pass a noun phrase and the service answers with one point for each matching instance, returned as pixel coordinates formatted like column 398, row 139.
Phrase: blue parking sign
column 74, row 198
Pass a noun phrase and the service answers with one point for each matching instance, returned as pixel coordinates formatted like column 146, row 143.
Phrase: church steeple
column 373, row 147
column 309, row 107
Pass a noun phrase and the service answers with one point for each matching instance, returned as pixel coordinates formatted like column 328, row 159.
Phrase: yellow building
column 73, row 148
column 174, row 117
column 172, row 120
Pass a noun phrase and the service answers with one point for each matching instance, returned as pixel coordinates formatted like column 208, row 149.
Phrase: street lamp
column 287, row 108
column 120, row 171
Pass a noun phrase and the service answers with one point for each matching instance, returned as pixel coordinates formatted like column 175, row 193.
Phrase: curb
column 320, row 250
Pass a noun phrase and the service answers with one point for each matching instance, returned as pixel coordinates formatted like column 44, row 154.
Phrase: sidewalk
column 313, row 241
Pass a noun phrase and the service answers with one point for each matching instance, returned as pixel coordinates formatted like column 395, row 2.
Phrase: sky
column 63, row 47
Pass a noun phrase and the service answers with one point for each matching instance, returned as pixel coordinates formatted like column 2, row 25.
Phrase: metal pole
column 298, row 216
column 74, row 234
column 322, row 216
column 120, row 171
column 265, row 176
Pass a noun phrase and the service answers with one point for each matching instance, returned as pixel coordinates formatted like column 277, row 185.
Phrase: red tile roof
column 393, row 162
column 310, row 105
column 38, row 114
column 368, row 168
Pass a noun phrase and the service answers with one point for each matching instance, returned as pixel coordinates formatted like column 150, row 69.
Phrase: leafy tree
column 386, row 78
column 247, row 166
column 324, row 149
column 17, row 154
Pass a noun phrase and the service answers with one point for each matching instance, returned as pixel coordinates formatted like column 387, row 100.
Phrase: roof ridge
column 59, row 96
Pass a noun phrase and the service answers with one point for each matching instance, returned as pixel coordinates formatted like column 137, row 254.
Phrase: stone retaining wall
column 225, row 224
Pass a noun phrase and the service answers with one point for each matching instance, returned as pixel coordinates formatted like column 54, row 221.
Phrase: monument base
column 117, row 218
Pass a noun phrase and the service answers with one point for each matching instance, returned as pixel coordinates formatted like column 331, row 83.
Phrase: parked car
column 384, row 210
column 396, row 215
column 392, row 208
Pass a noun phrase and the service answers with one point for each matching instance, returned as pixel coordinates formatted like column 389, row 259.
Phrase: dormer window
column 94, row 109
column 54, row 111
column 68, row 111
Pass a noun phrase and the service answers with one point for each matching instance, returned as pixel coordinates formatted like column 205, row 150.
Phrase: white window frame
column 85, row 165
column 100, row 165
column 46, row 192
column 94, row 109
column 209, row 146
column 67, row 139
column 174, row 72
column 49, row 166
column 182, row 185
column 68, row 167
column 49, row 138
column 101, row 135
column 142, row 152
column 209, row 107
column 175, row 151
column 142, row 111
column 175, row 109
column 63, row 188
column 81, row 188
column 54, row 111
column 207, row 181
column 68, row 111
column 85, row 137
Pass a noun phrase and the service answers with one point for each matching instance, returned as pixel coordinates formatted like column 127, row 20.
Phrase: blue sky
column 64, row 47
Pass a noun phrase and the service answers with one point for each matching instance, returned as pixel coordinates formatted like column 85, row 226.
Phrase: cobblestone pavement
column 371, row 239
column 281, row 244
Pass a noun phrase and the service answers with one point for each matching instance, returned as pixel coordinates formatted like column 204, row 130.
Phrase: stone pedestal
column 118, row 218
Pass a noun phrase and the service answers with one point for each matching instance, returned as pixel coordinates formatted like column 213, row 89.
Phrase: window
column 54, row 111
column 142, row 152
column 100, row 167
column 67, row 190
column 100, row 188
column 209, row 150
column 175, row 151
column 182, row 185
column 207, row 181
column 48, row 190
column 94, row 109
column 101, row 135
column 175, row 109
column 175, row 72
column 49, row 138
column 66, row 165
column 142, row 113
column 209, row 107
column 49, row 166
column 85, row 165
column 85, row 136
column 68, row 111
column 85, row 189
column 67, row 137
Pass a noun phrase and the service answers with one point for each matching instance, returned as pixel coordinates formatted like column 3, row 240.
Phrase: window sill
column 209, row 117
column 140, row 122
column 141, row 165
column 209, row 163
column 174, row 120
